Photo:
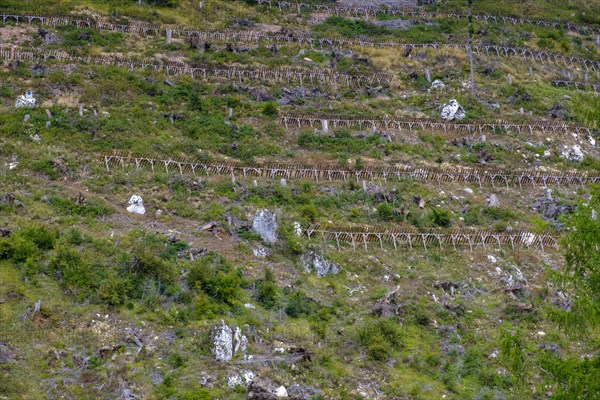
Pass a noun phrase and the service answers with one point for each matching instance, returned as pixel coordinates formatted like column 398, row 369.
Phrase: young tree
column 580, row 277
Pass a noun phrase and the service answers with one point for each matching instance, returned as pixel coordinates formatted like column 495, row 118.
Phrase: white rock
column 452, row 111
column 13, row 165
column 234, row 380
column 492, row 259
column 265, row 224
column 250, row 306
column 314, row 262
column 592, row 141
column 260, row 252
column 248, row 376
column 281, row 392
column 468, row 190
column 308, row 59
column 492, row 201
column 136, row 205
column 438, row 84
column 222, row 337
column 241, row 341
column 573, row 154
column 547, row 153
column 541, row 333
column 26, row 100
column 297, row 228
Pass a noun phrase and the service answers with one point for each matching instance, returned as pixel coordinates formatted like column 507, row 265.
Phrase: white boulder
column 222, row 337
column 572, row 154
column 438, row 84
column 26, row 100
column 314, row 262
column 135, row 205
column 265, row 224
column 452, row 111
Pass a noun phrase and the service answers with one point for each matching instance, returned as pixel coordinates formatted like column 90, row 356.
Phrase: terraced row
column 231, row 72
column 406, row 237
column 527, row 54
column 371, row 11
column 323, row 121
column 330, row 172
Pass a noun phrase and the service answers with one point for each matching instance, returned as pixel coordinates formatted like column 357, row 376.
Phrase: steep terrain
column 314, row 200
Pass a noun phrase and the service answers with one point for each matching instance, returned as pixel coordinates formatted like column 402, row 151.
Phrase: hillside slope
column 263, row 199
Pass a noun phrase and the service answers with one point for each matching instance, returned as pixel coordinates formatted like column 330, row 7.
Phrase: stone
column 492, row 201
column 281, row 391
column 227, row 341
column 492, row 259
column 438, row 84
column 26, row 100
column 265, row 224
column 260, row 252
column 452, row 111
column 240, row 341
column 258, row 392
column 135, row 205
column 222, row 337
column 234, row 380
column 572, row 154
column 468, row 190
column 6, row 354
column 297, row 228
column 314, row 262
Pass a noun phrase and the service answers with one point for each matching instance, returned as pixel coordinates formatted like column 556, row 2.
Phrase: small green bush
column 441, row 217
column 380, row 337
column 267, row 290
column 384, row 212
column 270, row 109
column 215, row 277
column 299, row 304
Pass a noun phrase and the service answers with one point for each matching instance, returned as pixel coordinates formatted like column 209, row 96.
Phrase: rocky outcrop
column 265, row 224
column 312, row 262
column 222, row 337
column 492, row 201
column 26, row 100
column 6, row 354
column 135, row 205
column 437, row 84
column 572, row 154
column 227, row 342
column 452, row 111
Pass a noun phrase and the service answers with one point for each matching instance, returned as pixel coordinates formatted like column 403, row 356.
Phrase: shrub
column 270, row 109
column 384, row 212
column 71, row 269
column 112, row 289
column 380, row 337
column 40, row 236
column 267, row 290
column 441, row 217
column 309, row 212
column 214, row 276
column 299, row 304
